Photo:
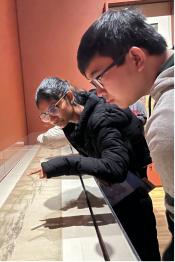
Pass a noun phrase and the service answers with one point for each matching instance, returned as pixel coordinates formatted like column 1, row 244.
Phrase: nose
column 100, row 91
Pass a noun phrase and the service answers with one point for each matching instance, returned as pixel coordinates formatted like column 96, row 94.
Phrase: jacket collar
column 90, row 104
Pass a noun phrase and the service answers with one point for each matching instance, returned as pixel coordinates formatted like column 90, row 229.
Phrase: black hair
column 55, row 88
column 114, row 33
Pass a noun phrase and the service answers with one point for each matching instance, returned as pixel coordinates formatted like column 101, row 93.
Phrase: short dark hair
column 54, row 88
column 114, row 33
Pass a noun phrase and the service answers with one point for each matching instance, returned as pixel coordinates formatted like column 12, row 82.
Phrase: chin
column 110, row 101
column 119, row 104
column 62, row 125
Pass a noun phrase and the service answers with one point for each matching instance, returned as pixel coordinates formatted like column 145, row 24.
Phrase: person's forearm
column 106, row 169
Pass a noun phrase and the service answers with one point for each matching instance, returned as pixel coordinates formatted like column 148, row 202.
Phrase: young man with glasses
column 125, row 58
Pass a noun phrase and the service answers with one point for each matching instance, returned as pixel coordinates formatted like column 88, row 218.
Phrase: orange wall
column 12, row 113
column 49, row 35
column 50, row 31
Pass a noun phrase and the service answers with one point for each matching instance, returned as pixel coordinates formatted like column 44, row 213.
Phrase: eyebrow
column 94, row 73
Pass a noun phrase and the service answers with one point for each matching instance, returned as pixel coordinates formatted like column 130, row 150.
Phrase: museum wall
column 50, row 32
column 40, row 39
column 12, row 109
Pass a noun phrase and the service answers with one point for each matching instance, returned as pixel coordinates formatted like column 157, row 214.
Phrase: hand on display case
column 40, row 172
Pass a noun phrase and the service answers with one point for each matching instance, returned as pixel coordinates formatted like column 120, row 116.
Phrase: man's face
column 121, row 85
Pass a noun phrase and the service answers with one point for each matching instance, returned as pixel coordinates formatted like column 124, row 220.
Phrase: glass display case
column 65, row 218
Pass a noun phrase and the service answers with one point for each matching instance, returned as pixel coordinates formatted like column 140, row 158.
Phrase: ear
column 70, row 96
column 138, row 57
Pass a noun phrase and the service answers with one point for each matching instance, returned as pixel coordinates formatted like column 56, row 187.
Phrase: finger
column 34, row 172
column 41, row 175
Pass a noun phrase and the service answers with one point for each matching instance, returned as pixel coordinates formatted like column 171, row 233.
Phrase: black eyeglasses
column 53, row 110
column 97, row 80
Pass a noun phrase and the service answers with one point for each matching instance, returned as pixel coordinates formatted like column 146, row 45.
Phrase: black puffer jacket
column 110, row 142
